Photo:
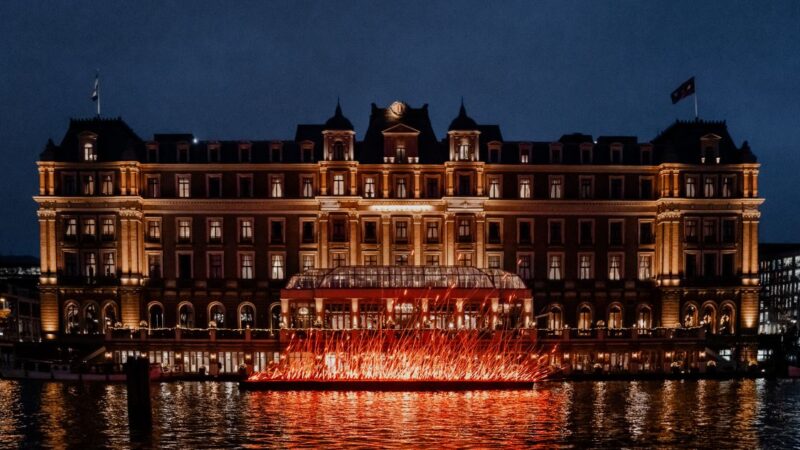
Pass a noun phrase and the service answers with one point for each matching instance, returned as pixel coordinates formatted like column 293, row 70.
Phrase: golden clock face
column 397, row 108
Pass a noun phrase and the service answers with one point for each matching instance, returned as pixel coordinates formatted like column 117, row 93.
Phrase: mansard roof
column 115, row 141
column 381, row 119
column 682, row 140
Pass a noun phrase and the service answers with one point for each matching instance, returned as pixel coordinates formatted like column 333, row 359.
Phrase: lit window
column 153, row 190
column 465, row 259
column 89, row 152
column 184, row 188
column 308, row 187
column 431, row 260
column 71, row 228
column 276, row 187
column 370, row 260
column 524, row 267
column 153, row 230
column 338, row 184
column 246, row 261
column 215, row 266
column 184, row 230
column 614, row 267
column 246, row 230
column 556, row 191
column 494, row 187
column 401, row 231
column 525, row 188
column 400, row 152
column 215, row 230
column 585, row 267
column 154, row 266
column 463, row 151
column 89, row 227
column 464, row 230
column 338, row 260
column 586, row 188
column 308, row 262
column 645, row 265
column 615, row 317
column 278, row 263
column 369, row 187
column 109, row 267
column 108, row 228
column 432, row 232
column 708, row 187
column 400, row 191
column 727, row 187
column 107, row 185
column 523, row 156
column 88, row 185
column 691, row 187
column 400, row 260
column 554, row 272
column 494, row 262
column 90, row 264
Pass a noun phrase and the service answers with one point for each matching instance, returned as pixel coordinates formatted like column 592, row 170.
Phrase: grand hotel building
column 611, row 236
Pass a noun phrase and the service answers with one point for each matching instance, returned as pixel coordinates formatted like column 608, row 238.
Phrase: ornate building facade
column 608, row 233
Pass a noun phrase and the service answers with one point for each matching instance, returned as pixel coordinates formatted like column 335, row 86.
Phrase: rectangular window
column 525, row 231
column 525, row 266
column 153, row 186
column 369, row 187
column 88, row 185
column 308, row 187
column 691, row 186
column 401, row 260
column 646, row 236
column 586, row 155
column 70, row 228
column 109, row 265
column 214, row 186
column 555, row 232
column 616, row 155
column 308, row 154
column 371, row 232
column 338, row 230
column 463, row 151
column 246, row 266
column 307, row 262
column 727, row 185
column 90, row 264
column 710, row 265
column 556, row 188
column 494, row 261
column 215, row 266
column 615, row 267
column 185, row 266
column 494, row 235
column 494, row 187
column 432, row 232
column 585, row 232
column 523, row 155
column 709, row 187
column 213, row 154
column 401, row 232
column 68, row 186
column 555, row 155
column 464, row 259
column 585, row 270
column 338, row 260
column 371, row 260
column 276, row 186
column 690, row 230
column 276, row 231
column 464, row 230
column 646, row 156
column 245, row 186
column 275, row 153
column 184, row 186
column 554, row 267
column 586, row 187
column 615, row 188
column 464, row 185
column 184, row 230
column 307, row 231
column 709, row 231
column 154, row 230
column 494, row 155
column 215, row 231
column 431, row 260
column 400, row 188
column 646, row 188
column 690, row 265
column 89, row 227
column 107, row 228
column 70, row 264
column 729, row 231
column 400, row 151
column 278, row 266
column 154, row 265
column 615, row 232
column 728, row 265
column 244, row 153
column 432, row 187
column 107, row 184
column 645, row 266
column 338, row 184
column 525, row 187
column 246, row 231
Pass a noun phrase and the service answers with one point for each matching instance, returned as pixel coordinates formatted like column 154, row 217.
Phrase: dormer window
column 183, row 153
column 400, row 151
column 616, row 154
column 494, row 155
column 586, row 154
column 523, row 156
column 213, row 154
column 709, row 146
column 555, row 155
column 244, row 153
column 89, row 152
column 338, row 151
column 275, row 153
column 152, row 153
column 307, row 154
column 646, row 156
column 463, row 151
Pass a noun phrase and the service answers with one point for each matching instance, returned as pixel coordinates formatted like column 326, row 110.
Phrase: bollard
column 137, row 374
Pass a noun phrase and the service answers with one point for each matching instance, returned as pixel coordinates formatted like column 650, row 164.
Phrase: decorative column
column 449, row 181
column 353, row 181
column 480, row 240
column 479, row 181
column 449, row 238
column 323, row 240
column 319, row 306
column 670, row 309
column 355, row 241
column 417, row 185
column 417, row 240
column 494, row 310
column 385, row 183
column 354, row 312
column 323, row 181
column 386, row 238
column 51, row 186
column 459, row 322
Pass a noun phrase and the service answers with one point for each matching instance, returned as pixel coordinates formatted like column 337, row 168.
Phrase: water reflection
column 736, row 414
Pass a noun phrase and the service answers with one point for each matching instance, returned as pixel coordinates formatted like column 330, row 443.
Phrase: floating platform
column 383, row 385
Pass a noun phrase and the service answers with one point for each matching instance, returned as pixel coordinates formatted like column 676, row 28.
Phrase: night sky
column 252, row 70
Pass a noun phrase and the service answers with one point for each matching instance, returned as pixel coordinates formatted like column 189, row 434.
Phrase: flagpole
column 696, row 115
column 98, row 95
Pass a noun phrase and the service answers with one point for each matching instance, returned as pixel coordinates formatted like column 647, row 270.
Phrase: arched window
column 275, row 316
column 91, row 317
column 247, row 315
column 690, row 316
column 727, row 316
column 155, row 315
column 72, row 318
column 186, row 315
column 555, row 319
column 709, row 318
column 584, row 317
column 615, row 316
column 89, row 152
column 110, row 317
column 644, row 318
column 216, row 314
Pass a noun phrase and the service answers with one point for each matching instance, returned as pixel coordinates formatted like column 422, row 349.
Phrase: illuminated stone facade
column 607, row 232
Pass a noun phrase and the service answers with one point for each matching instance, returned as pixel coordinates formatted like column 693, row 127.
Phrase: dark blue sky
column 539, row 69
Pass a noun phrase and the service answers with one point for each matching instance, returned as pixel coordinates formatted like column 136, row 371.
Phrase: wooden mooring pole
column 137, row 373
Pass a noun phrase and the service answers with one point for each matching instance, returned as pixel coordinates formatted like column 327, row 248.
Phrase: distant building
column 20, row 317
column 779, row 309
column 609, row 233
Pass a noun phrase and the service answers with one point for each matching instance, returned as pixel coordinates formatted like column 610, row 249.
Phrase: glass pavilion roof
column 389, row 277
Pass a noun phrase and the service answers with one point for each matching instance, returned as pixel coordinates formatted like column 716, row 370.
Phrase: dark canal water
column 721, row 414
